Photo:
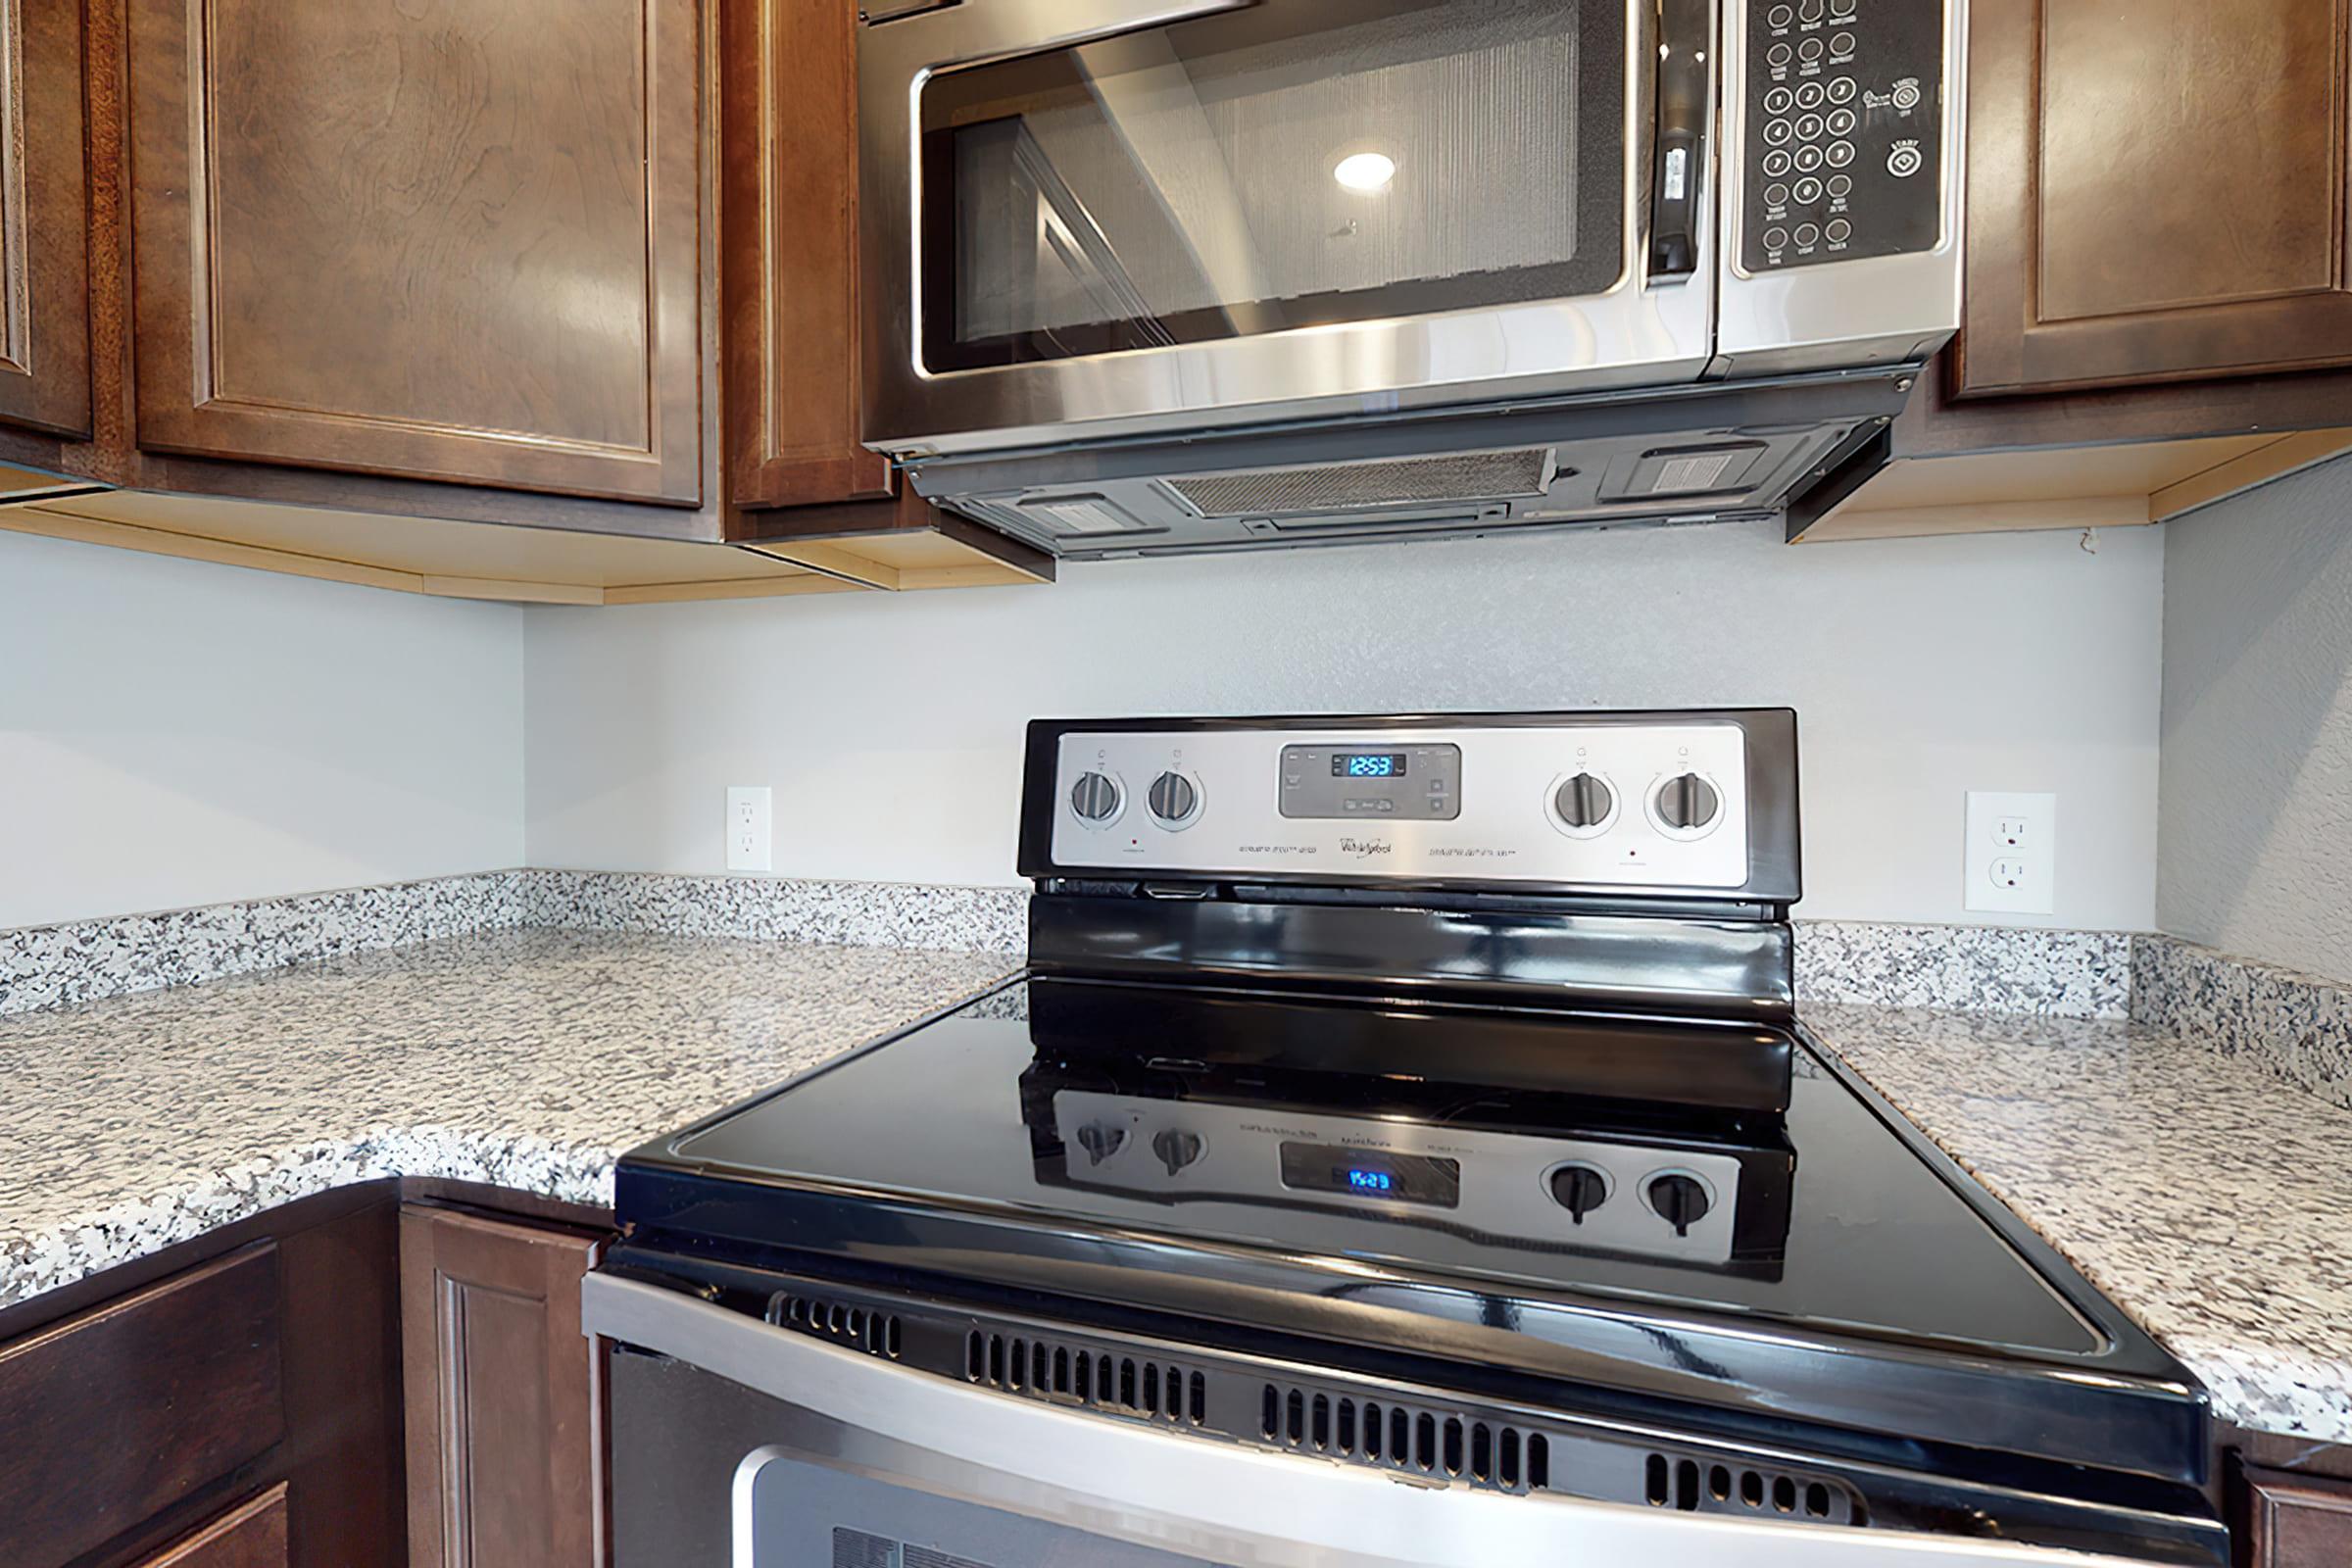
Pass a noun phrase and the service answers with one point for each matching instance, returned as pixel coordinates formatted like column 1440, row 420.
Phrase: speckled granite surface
column 2204, row 1201
column 2295, row 1025
column 1983, row 968
column 529, row 1059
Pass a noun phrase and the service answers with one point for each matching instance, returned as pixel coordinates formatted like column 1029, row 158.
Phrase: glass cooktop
column 1592, row 1157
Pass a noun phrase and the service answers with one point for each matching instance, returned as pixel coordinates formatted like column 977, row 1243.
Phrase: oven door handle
column 1112, row 1476
column 1686, row 111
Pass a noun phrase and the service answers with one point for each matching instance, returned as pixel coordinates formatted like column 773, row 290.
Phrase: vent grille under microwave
column 1385, row 482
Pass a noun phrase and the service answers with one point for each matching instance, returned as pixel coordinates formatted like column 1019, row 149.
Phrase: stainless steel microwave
column 1120, row 227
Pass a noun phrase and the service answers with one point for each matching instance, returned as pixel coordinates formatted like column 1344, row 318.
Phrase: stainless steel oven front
column 1122, row 213
column 1086, row 218
column 844, row 1429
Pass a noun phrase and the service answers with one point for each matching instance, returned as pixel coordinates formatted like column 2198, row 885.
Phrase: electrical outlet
column 2009, row 861
column 751, row 828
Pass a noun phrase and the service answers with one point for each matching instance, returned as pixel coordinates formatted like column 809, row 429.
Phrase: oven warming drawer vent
column 875, row 1331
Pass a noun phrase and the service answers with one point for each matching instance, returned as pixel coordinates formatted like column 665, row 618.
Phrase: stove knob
column 1580, row 1190
column 1095, row 797
column 1680, row 1201
column 1176, row 1147
column 1583, row 801
column 1100, row 1140
column 1173, row 799
column 1686, row 801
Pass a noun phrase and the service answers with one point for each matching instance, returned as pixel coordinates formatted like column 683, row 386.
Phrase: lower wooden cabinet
column 504, row 1394
column 2297, row 1521
column 252, row 1535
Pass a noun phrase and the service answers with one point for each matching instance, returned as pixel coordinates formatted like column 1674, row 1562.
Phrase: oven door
column 1154, row 215
column 748, row 1445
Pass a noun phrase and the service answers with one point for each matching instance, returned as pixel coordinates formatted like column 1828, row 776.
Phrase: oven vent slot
column 1125, row 1385
column 1696, row 1486
column 1380, row 483
column 860, row 1328
column 1394, row 1436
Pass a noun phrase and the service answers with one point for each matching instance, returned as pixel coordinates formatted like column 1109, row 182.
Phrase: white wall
column 2255, row 854
column 175, row 733
column 889, row 728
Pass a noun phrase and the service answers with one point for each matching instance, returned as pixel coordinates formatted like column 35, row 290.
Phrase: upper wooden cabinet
column 449, row 242
column 2157, row 191
column 788, row 255
column 44, row 282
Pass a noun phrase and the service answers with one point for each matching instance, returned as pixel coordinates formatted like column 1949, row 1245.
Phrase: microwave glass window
column 1291, row 164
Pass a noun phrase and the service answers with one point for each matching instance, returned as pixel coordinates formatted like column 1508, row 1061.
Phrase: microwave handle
column 1685, row 33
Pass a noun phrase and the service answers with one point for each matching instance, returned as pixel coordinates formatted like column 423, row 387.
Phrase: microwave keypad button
column 1779, row 54
column 1775, row 164
column 1842, row 122
column 1841, row 186
column 1904, row 162
column 1776, row 101
column 1841, row 44
column 1809, row 95
column 1811, row 10
column 1774, row 238
column 1808, row 128
column 1808, row 236
column 1778, row 17
column 1777, row 132
column 1838, row 231
column 1808, row 191
column 1841, row 91
column 1842, row 9
column 1775, row 195
column 1841, row 154
column 1810, row 49
column 1906, row 96
column 1808, row 159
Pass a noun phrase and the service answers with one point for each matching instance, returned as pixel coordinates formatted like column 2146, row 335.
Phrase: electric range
column 1388, row 1100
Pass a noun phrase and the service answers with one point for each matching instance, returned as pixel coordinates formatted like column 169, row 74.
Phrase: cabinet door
column 788, row 200
column 2157, row 191
column 252, row 1535
column 505, row 1440
column 44, row 281
column 439, row 240
column 2297, row 1523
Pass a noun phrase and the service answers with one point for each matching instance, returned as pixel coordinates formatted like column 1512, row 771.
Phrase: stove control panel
column 1842, row 109
column 1633, row 803
column 1669, row 1203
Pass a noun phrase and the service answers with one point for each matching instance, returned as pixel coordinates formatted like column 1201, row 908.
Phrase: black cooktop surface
column 1513, row 1153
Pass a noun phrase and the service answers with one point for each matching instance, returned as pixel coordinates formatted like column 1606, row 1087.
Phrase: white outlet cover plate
column 2019, row 832
column 751, row 828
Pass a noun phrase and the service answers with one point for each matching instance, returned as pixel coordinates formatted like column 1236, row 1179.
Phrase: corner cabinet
column 44, row 280
column 461, row 243
column 2157, row 191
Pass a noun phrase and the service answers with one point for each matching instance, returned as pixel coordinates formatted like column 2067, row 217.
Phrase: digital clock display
column 1378, row 1173
column 1367, row 764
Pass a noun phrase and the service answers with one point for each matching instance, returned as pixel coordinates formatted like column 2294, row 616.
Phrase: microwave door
column 1111, row 218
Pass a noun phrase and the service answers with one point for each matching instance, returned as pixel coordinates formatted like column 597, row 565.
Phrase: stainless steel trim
column 1881, row 310
column 1632, row 334
column 1229, row 1502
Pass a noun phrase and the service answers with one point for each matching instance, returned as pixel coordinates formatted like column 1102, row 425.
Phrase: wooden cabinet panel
column 2157, row 191
column 504, row 1415
column 114, row 1415
column 2297, row 1523
column 252, row 1535
column 436, row 240
column 788, row 203
column 44, row 280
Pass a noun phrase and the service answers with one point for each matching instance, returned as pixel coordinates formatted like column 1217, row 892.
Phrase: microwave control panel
column 1845, row 115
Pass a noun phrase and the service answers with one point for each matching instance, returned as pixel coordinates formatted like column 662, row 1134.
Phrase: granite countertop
column 528, row 1060
column 2204, row 1195
column 2207, row 1198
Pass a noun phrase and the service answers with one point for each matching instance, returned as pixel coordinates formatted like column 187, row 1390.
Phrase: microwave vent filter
column 1694, row 471
column 1081, row 515
column 1385, row 482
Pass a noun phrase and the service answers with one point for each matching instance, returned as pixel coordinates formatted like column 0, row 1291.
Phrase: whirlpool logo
column 1362, row 848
